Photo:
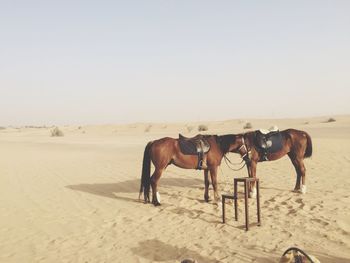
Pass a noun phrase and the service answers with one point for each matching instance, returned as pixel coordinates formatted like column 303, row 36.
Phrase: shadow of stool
column 245, row 181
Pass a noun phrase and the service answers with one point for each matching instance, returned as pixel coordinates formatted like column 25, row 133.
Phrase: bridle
column 244, row 152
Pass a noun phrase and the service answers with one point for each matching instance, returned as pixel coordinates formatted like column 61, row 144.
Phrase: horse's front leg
column 252, row 173
column 214, row 181
column 206, row 185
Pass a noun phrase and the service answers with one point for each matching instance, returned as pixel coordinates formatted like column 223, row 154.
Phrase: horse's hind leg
column 154, row 183
column 299, row 166
column 302, row 175
column 206, row 185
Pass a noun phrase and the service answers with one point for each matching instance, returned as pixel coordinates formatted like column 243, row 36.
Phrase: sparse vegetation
column 202, row 127
column 331, row 120
column 306, row 123
column 56, row 132
column 35, row 127
column 189, row 128
column 148, row 128
column 248, row 125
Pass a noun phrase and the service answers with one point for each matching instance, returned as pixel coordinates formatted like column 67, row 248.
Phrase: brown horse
column 166, row 151
column 296, row 144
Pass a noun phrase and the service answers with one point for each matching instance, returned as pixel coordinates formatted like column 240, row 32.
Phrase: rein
column 233, row 169
column 244, row 155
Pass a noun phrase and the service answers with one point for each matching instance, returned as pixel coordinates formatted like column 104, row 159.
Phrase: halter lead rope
column 243, row 156
column 227, row 159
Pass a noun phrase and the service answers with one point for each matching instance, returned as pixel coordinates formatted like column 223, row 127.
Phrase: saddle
column 197, row 145
column 269, row 141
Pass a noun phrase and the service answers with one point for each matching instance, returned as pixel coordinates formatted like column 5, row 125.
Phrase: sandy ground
column 74, row 198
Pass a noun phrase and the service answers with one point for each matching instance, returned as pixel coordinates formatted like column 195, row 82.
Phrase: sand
column 75, row 198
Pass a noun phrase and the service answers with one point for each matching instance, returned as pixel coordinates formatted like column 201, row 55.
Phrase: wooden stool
column 246, row 181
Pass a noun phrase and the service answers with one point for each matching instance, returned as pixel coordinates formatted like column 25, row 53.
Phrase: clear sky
column 77, row 62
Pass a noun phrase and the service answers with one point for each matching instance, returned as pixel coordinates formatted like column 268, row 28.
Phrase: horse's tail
column 308, row 151
column 146, row 173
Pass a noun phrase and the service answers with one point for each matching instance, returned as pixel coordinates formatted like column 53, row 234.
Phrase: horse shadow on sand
column 156, row 250
column 112, row 190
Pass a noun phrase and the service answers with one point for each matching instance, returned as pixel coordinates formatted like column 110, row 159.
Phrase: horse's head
column 233, row 143
column 229, row 143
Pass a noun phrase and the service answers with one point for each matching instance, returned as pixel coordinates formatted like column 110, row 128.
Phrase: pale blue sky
column 76, row 62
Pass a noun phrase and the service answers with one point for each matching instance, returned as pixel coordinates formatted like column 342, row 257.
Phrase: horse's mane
column 225, row 141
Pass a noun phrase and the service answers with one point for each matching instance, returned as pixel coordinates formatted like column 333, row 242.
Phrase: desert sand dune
column 75, row 198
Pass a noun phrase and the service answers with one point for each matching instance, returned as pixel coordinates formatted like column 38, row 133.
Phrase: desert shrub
column 189, row 128
column 248, row 125
column 148, row 128
column 56, row 132
column 202, row 127
column 35, row 127
column 331, row 120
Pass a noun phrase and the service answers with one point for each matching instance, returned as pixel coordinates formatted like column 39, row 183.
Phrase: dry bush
column 148, row 128
column 202, row 127
column 189, row 128
column 331, row 120
column 56, row 132
column 248, row 125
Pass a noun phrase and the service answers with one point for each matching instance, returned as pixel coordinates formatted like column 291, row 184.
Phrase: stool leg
column 246, row 206
column 235, row 197
column 258, row 202
column 223, row 209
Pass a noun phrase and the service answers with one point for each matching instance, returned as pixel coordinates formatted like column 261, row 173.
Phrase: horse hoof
column 158, row 197
column 252, row 194
column 303, row 189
